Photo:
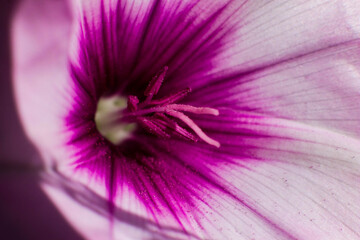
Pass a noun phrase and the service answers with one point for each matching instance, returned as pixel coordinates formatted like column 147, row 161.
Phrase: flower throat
column 116, row 119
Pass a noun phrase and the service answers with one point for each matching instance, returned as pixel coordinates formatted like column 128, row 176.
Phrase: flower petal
column 161, row 34
column 271, row 179
column 40, row 41
column 273, row 31
column 299, row 182
column 321, row 88
column 247, row 36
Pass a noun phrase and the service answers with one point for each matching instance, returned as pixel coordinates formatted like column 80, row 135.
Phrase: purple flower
column 195, row 119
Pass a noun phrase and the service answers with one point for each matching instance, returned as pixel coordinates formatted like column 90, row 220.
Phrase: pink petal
column 321, row 88
column 282, row 180
column 290, row 181
column 262, row 34
column 40, row 41
column 271, row 32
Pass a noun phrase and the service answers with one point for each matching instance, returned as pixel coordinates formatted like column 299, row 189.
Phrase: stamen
column 132, row 103
column 194, row 127
column 155, row 84
column 177, row 107
column 142, row 112
column 162, row 119
column 153, row 127
column 172, row 98
column 197, row 110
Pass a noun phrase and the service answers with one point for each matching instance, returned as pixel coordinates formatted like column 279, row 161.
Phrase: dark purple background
column 25, row 211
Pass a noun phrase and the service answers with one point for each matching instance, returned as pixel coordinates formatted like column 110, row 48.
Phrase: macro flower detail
column 154, row 115
column 195, row 119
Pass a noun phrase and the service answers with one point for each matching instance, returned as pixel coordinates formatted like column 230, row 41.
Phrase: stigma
column 162, row 117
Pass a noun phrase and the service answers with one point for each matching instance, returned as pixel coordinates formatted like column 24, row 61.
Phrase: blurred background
column 25, row 211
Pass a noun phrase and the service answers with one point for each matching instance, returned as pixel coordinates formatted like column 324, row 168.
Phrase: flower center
column 106, row 120
column 161, row 117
